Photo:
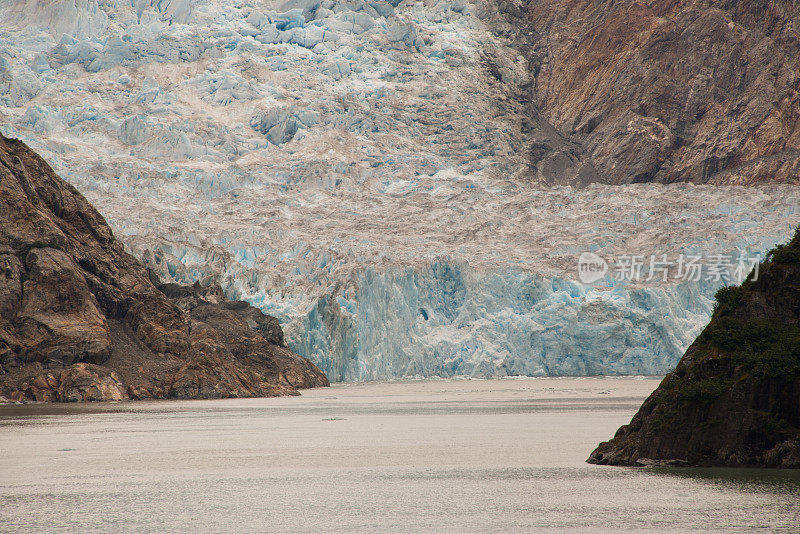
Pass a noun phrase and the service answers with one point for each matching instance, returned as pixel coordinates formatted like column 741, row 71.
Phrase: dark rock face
column 80, row 319
column 663, row 91
column 734, row 398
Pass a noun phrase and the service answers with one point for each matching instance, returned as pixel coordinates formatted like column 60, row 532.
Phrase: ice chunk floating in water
column 355, row 169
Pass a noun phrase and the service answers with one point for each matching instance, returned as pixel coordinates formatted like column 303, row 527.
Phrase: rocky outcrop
column 734, row 398
column 663, row 91
column 80, row 319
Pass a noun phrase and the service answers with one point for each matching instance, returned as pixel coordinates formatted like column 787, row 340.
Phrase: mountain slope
column 663, row 91
column 80, row 319
column 734, row 398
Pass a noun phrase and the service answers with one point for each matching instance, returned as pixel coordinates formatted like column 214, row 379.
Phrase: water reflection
column 741, row 479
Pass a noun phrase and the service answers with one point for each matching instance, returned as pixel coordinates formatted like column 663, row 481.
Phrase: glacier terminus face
column 358, row 169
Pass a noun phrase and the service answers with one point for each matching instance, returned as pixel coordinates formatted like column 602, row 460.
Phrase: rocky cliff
column 80, row 319
column 734, row 398
column 663, row 91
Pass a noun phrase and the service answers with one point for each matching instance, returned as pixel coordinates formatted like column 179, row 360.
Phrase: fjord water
column 457, row 455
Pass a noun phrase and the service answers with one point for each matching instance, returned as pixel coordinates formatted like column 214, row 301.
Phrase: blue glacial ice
column 351, row 167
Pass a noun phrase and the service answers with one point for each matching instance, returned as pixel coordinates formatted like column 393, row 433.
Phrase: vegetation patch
column 703, row 392
column 763, row 348
column 727, row 299
column 788, row 254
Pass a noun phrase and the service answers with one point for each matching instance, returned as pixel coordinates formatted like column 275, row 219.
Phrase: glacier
column 354, row 168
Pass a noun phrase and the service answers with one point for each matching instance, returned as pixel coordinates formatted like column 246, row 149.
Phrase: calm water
column 494, row 455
